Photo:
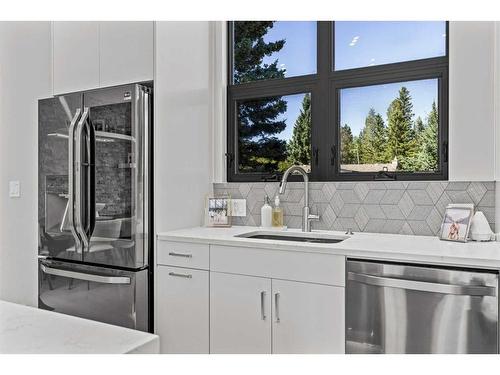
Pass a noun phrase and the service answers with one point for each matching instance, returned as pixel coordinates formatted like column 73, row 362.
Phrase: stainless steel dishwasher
column 404, row 308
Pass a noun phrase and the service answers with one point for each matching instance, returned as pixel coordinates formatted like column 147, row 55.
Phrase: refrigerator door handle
column 71, row 179
column 85, row 276
column 146, row 107
column 90, row 202
column 78, row 181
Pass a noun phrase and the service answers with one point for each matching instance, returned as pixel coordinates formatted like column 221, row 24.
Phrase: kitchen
column 134, row 185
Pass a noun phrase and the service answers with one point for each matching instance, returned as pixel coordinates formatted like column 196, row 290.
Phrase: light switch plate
column 14, row 189
column 238, row 207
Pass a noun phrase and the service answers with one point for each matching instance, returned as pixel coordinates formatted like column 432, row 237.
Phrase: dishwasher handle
column 424, row 286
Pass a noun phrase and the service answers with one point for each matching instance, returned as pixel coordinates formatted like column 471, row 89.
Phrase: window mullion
column 322, row 134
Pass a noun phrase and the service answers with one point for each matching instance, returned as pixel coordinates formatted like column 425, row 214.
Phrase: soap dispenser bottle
column 266, row 213
column 277, row 213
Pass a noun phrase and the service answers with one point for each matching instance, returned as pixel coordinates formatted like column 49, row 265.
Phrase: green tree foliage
column 414, row 144
column 373, row 139
column 250, row 50
column 299, row 146
column 406, row 104
column 259, row 121
column 419, row 127
column 427, row 156
column 401, row 137
column 348, row 151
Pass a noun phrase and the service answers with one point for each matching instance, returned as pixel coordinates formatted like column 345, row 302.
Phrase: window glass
column 273, row 49
column 393, row 126
column 366, row 43
column 274, row 133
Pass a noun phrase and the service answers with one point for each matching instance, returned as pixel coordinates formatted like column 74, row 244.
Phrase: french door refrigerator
column 94, row 200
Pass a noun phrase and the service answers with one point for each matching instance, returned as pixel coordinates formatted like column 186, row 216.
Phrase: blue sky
column 360, row 44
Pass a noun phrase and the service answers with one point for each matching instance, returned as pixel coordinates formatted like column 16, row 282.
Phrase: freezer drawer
column 400, row 308
column 97, row 293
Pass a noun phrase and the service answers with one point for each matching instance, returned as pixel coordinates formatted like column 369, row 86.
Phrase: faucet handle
column 312, row 217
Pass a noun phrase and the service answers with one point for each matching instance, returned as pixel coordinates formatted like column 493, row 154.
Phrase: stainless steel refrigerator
column 94, row 199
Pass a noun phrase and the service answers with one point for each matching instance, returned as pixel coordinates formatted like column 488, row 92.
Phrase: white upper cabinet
column 126, row 52
column 89, row 55
column 75, row 56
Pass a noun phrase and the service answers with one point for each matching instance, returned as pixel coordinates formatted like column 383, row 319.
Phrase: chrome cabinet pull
column 277, row 306
column 180, row 255
column 187, row 276
column 262, row 308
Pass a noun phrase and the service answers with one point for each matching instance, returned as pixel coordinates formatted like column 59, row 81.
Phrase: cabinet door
column 240, row 314
column 307, row 318
column 75, row 56
column 126, row 52
column 182, row 300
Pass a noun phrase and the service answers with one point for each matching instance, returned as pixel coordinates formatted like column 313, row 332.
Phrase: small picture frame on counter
column 218, row 211
column 456, row 222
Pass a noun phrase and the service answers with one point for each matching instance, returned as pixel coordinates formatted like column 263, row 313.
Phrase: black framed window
column 346, row 100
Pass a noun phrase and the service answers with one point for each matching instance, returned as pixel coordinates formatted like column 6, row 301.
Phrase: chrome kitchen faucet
column 306, row 216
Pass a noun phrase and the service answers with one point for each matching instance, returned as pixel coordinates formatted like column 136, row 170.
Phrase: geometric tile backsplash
column 404, row 207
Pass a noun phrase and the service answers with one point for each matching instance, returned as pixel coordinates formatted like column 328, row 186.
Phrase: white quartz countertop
column 28, row 330
column 395, row 247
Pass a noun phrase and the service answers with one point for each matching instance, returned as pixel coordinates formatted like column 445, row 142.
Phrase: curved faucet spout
column 293, row 169
column 306, row 216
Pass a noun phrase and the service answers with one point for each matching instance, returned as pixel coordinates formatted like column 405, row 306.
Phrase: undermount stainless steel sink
column 309, row 237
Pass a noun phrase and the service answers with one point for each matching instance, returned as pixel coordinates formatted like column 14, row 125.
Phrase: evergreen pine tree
column 419, row 126
column 406, row 104
column 373, row 139
column 348, row 152
column 299, row 146
column 260, row 150
column 401, row 143
column 427, row 157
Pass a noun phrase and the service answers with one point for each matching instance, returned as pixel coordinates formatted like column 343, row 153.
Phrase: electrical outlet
column 14, row 189
column 238, row 207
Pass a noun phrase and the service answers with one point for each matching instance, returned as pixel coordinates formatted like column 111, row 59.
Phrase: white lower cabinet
column 222, row 299
column 261, row 315
column 307, row 318
column 182, row 314
column 240, row 314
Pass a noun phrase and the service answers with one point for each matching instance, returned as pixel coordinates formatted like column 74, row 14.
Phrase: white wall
column 496, row 72
column 471, row 93
column 25, row 77
column 183, row 118
column 471, row 103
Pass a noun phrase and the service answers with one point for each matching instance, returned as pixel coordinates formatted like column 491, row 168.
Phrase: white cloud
column 354, row 41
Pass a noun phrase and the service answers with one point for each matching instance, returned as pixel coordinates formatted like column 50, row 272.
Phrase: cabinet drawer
column 288, row 265
column 183, row 254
